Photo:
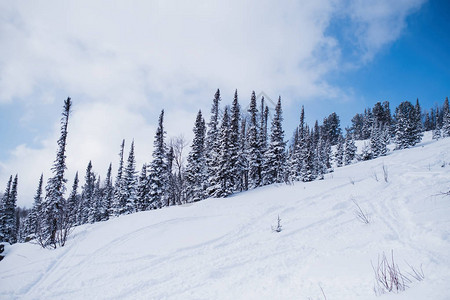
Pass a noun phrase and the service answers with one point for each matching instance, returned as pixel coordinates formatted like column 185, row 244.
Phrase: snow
column 226, row 249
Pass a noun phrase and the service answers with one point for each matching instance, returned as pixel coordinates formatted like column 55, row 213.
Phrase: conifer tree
column 375, row 140
column 196, row 172
column 8, row 229
column 158, row 168
column 72, row 201
column 56, row 213
column 254, row 155
column 87, row 196
column 407, row 131
column 3, row 212
column 275, row 156
column 350, row 149
column 340, row 148
column 94, row 214
column 234, row 147
column 119, row 186
column 142, row 193
column 35, row 216
column 130, row 183
column 242, row 168
column 108, row 196
column 221, row 184
column 212, row 138
column 445, row 119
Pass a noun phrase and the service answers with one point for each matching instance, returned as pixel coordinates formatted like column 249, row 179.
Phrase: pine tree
column 221, row 184
column 445, row 119
column 234, row 147
column 350, row 149
column 254, row 150
column 158, row 168
column 142, row 193
column 35, row 216
column 87, row 196
column 242, row 167
column 118, row 186
column 3, row 212
column 340, row 148
column 375, row 140
column 170, row 196
column 130, row 183
column 407, row 132
column 275, row 156
column 8, row 230
column 196, row 172
column 212, row 137
column 366, row 153
column 73, row 201
column 56, row 215
column 436, row 134
column 95, row 203
column 307, row 172
column 108, row 196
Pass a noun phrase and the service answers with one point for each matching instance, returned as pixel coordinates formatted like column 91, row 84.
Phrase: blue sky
column 123, row 63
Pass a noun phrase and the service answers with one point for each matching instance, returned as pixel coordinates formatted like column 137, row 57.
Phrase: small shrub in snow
column 360, row 214
column 388, row 277
column 278, row 228
column 385, row 173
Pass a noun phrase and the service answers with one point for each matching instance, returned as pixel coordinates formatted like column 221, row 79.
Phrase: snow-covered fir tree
column 340, row 149
column 375, row 140
column 158, row 167
column 56, row 213
column 8, row 229
column 196, row 169
column 242, row 167
column 87, row 196
column 234, row 143
column 119, row 191
column 407, row 131
column 94, row 214
column 350, row 149
column 72, row 202
column 275, row 155
column 445, row 119
column 212, row 138
column 34, row 219
column 254, row 154
column 221, row 183
column 108, row 196
column 130, row 182
column 142, row 192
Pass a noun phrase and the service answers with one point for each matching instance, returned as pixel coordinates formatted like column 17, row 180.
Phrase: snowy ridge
column 225, row 248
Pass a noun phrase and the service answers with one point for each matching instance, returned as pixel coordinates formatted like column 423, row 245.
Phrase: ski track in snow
column 225, row 248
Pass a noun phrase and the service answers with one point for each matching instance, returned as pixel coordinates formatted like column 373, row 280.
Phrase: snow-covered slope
column 225, row 248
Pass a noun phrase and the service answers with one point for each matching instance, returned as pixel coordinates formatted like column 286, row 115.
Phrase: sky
column 122, row 62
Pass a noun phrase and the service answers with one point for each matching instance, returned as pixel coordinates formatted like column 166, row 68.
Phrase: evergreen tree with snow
column 254, row 154
column 87, row 196
column 221, row 184
column 436, row 135
column 130, row 183
column 275, row 156
column 340, row 148
column 119, row 192
column 242, row 167
column 158, row 167
column 375, row 140
column 196, row 171
column 350, row 149
column 307, row 172
column 331, row 129
column 73, row 201
column 142, row 192
column 235, row 146
column 34, row 219
column 366, row 153
column 212, row 137
column 56, row 213
column 8, row 230
column 407, row 131
column 445, row 119
column 94, row 214
column 108, row 196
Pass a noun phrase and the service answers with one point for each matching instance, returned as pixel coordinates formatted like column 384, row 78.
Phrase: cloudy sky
column 124, row 61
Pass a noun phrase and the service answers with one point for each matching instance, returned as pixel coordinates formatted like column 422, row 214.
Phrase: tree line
column 235, row 151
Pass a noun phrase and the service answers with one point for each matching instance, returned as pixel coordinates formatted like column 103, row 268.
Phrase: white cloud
column 122, row 62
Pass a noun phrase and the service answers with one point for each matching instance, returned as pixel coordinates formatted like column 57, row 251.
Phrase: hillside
column 226, row 249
